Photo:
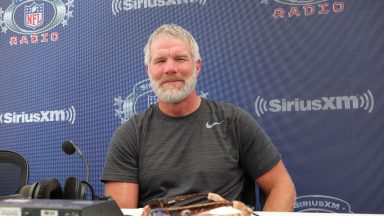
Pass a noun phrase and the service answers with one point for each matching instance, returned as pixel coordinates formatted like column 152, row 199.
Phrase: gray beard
column 174, row 95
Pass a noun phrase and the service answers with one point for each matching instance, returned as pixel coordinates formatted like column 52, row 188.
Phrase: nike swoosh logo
column 209, row 126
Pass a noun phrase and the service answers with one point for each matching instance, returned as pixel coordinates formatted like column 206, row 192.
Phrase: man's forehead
column 169, row 37
column 176, row 51
column 163, row 43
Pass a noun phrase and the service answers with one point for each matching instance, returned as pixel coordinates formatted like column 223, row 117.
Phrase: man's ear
column 198, row 66
column 146, row 69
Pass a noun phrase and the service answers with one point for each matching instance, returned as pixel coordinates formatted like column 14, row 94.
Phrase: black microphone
column 69, row 148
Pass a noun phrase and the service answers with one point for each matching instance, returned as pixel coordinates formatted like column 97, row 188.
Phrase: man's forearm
column 125, row 194
column 281, row 198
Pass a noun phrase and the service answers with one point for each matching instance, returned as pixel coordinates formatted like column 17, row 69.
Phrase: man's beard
column 173, row 94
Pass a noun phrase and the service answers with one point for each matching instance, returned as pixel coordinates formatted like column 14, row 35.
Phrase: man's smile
column 172, row 82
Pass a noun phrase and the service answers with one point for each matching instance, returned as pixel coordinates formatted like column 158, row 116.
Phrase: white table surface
column 137, row 212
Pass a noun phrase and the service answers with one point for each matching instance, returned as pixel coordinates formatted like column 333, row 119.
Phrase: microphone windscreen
column 24, row 192
column 68, row 147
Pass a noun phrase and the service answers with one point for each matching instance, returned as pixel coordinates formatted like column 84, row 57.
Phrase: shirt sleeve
column 257, row 152
column 122, row 159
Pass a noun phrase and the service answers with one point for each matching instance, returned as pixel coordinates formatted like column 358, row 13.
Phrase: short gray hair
column 177, row 32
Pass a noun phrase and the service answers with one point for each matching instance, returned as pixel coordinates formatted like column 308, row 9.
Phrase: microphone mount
column 69, row 147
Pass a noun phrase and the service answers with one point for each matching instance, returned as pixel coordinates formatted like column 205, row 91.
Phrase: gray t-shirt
column 206, row 151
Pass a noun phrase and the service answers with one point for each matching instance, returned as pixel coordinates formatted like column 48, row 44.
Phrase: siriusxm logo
column 129, row 5
column 365, row 101
column 321, row 203
column 64, row 115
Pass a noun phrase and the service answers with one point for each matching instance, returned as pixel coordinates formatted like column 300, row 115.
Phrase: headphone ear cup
column 32, row 194
column 46, row 189
column 74, row 189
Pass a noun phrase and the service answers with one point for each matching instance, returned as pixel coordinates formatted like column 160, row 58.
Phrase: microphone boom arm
column 85, row 161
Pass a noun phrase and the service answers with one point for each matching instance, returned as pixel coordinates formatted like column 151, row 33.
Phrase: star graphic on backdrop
column 69, row 14
column 69, row 4
column 4, row 29
column 64, row 22
column 118, row 101
column 264, row 1
column 203, row 94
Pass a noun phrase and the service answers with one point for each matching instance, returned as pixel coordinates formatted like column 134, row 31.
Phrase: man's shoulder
column 228, row 110
column 217, row 105
column 138, row 118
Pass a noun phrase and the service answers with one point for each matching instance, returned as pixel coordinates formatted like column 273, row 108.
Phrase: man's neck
column 185, row 107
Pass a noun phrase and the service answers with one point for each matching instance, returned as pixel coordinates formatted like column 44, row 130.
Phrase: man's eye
column 159, row 61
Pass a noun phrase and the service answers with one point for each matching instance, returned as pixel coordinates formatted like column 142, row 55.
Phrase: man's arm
column 125, row 194
column 280, row 190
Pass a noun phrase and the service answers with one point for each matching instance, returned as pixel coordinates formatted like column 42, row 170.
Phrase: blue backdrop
column 309, row 71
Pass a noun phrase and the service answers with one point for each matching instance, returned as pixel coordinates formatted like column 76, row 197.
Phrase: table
column 137, row 212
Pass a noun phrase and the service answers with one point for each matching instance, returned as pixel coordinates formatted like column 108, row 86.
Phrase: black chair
column 262, row 197
column 252, row 195
column 14, row 172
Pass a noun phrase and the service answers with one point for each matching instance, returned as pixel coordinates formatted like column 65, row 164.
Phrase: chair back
column 13, row 172
column 252, row 195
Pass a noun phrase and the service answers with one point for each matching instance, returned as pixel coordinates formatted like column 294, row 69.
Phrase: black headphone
column 74, row 189
column 51, row 189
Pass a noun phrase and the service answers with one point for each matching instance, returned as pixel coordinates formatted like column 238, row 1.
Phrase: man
column 186, row 144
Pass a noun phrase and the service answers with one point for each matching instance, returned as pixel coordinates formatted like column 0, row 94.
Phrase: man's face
column 171, row 69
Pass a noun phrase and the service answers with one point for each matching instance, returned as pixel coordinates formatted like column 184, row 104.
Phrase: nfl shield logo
column 34, row 15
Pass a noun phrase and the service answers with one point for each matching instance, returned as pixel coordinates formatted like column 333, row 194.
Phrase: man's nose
column 170, row 67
